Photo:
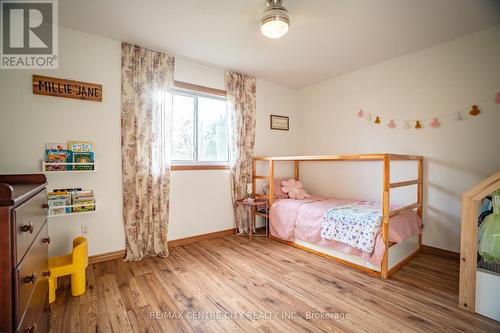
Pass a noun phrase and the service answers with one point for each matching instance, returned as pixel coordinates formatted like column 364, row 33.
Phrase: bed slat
column 405, row 183
column 403, row 209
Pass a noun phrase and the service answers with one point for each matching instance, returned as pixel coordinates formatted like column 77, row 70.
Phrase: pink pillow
column 278, row 194
column 294, row 189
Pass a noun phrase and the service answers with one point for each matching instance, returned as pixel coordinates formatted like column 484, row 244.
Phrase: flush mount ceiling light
column 275, row 20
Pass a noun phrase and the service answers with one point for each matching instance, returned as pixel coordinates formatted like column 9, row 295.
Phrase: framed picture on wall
column 280, row 123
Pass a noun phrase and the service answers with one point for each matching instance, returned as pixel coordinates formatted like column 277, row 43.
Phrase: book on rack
column 83, row 201
column 56, row 199
column 56, row 207
column 74, row 189
column 55, row 146
column 83, row 157
column 58, row 156
column 67, row 200
column 81, row 146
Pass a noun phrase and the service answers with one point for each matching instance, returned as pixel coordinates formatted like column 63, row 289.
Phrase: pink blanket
column 301, row 219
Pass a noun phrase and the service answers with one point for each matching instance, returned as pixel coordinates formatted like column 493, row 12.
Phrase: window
column 199, row 129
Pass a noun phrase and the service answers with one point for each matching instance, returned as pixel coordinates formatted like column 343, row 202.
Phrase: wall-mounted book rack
column 51, row 208
column 46, row 165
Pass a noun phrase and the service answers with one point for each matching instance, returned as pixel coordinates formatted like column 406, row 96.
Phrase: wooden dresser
column 24, row 244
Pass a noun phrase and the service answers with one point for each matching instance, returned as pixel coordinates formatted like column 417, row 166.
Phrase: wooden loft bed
column 384, row 272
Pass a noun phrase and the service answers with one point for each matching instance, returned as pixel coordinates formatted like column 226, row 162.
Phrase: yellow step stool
column 73, row 264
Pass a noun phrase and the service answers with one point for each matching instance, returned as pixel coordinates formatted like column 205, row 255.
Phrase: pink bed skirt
column 292, row 219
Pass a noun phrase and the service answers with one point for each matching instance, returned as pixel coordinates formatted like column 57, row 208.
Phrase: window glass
column 183, row 122
column 199, row 129
column 212, row 130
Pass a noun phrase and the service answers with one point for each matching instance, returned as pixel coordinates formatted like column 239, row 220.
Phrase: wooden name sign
column 44, row 85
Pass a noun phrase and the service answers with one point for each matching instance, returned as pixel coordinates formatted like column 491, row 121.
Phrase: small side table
column 253, row 205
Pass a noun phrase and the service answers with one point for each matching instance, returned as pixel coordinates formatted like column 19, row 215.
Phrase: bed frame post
column 271, row 182
column 254, row 180
column 296, row 165
column 384, row 271
column 254, row 185
column 420, row 196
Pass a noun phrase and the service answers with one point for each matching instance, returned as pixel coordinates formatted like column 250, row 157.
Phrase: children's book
column 55, row 146
column 85, row 198
column 57, row 156
column 60, row 195
column 81, row 146
column 88, row 206
column 85, row 157
column 59, row 198
column 83, row 194
column 56, row 207
column 67, row 189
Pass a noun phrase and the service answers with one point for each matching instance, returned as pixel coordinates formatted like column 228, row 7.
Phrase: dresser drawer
column 37, row 315
column 29, row 218
column 31, row 271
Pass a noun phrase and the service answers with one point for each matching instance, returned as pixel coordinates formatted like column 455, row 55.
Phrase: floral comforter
column 355, row 224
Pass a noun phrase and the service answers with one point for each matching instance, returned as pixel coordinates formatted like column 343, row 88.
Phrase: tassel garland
column 474, row 111
column 434, row 122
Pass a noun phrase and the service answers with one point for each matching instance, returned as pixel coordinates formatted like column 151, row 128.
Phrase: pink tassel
column 435, row 123
column 391, row 124
column 361, row 114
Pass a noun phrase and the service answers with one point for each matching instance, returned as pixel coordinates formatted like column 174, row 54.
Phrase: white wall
column 430, row 82
column 29, row 121
column 195, row 211
column 200, row 200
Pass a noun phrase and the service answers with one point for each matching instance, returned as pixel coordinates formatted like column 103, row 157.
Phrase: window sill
column 187, row 167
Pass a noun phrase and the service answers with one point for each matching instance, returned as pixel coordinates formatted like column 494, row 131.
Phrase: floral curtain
column 240, row 93
column 147, row 81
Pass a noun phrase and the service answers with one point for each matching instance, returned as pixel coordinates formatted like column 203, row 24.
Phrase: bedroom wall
column 214, row 210
column 433, row 81
column 200, row 200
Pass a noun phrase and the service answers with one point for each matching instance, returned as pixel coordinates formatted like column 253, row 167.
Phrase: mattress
column 292, row 219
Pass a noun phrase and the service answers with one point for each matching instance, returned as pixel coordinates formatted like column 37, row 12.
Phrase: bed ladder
column 385, row 272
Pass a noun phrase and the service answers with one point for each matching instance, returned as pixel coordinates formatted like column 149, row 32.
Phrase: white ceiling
column 327, row 38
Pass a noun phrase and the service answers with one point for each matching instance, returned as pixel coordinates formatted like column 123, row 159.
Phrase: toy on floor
column 73, row 264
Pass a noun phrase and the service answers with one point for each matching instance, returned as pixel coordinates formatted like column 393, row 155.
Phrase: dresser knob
column 46, row 240
column 30, row 278
column 27, row 227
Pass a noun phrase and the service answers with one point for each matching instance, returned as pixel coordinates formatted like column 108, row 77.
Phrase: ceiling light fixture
column 275, row 20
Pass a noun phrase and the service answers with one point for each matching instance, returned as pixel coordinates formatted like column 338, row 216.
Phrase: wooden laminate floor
column 231, row 284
